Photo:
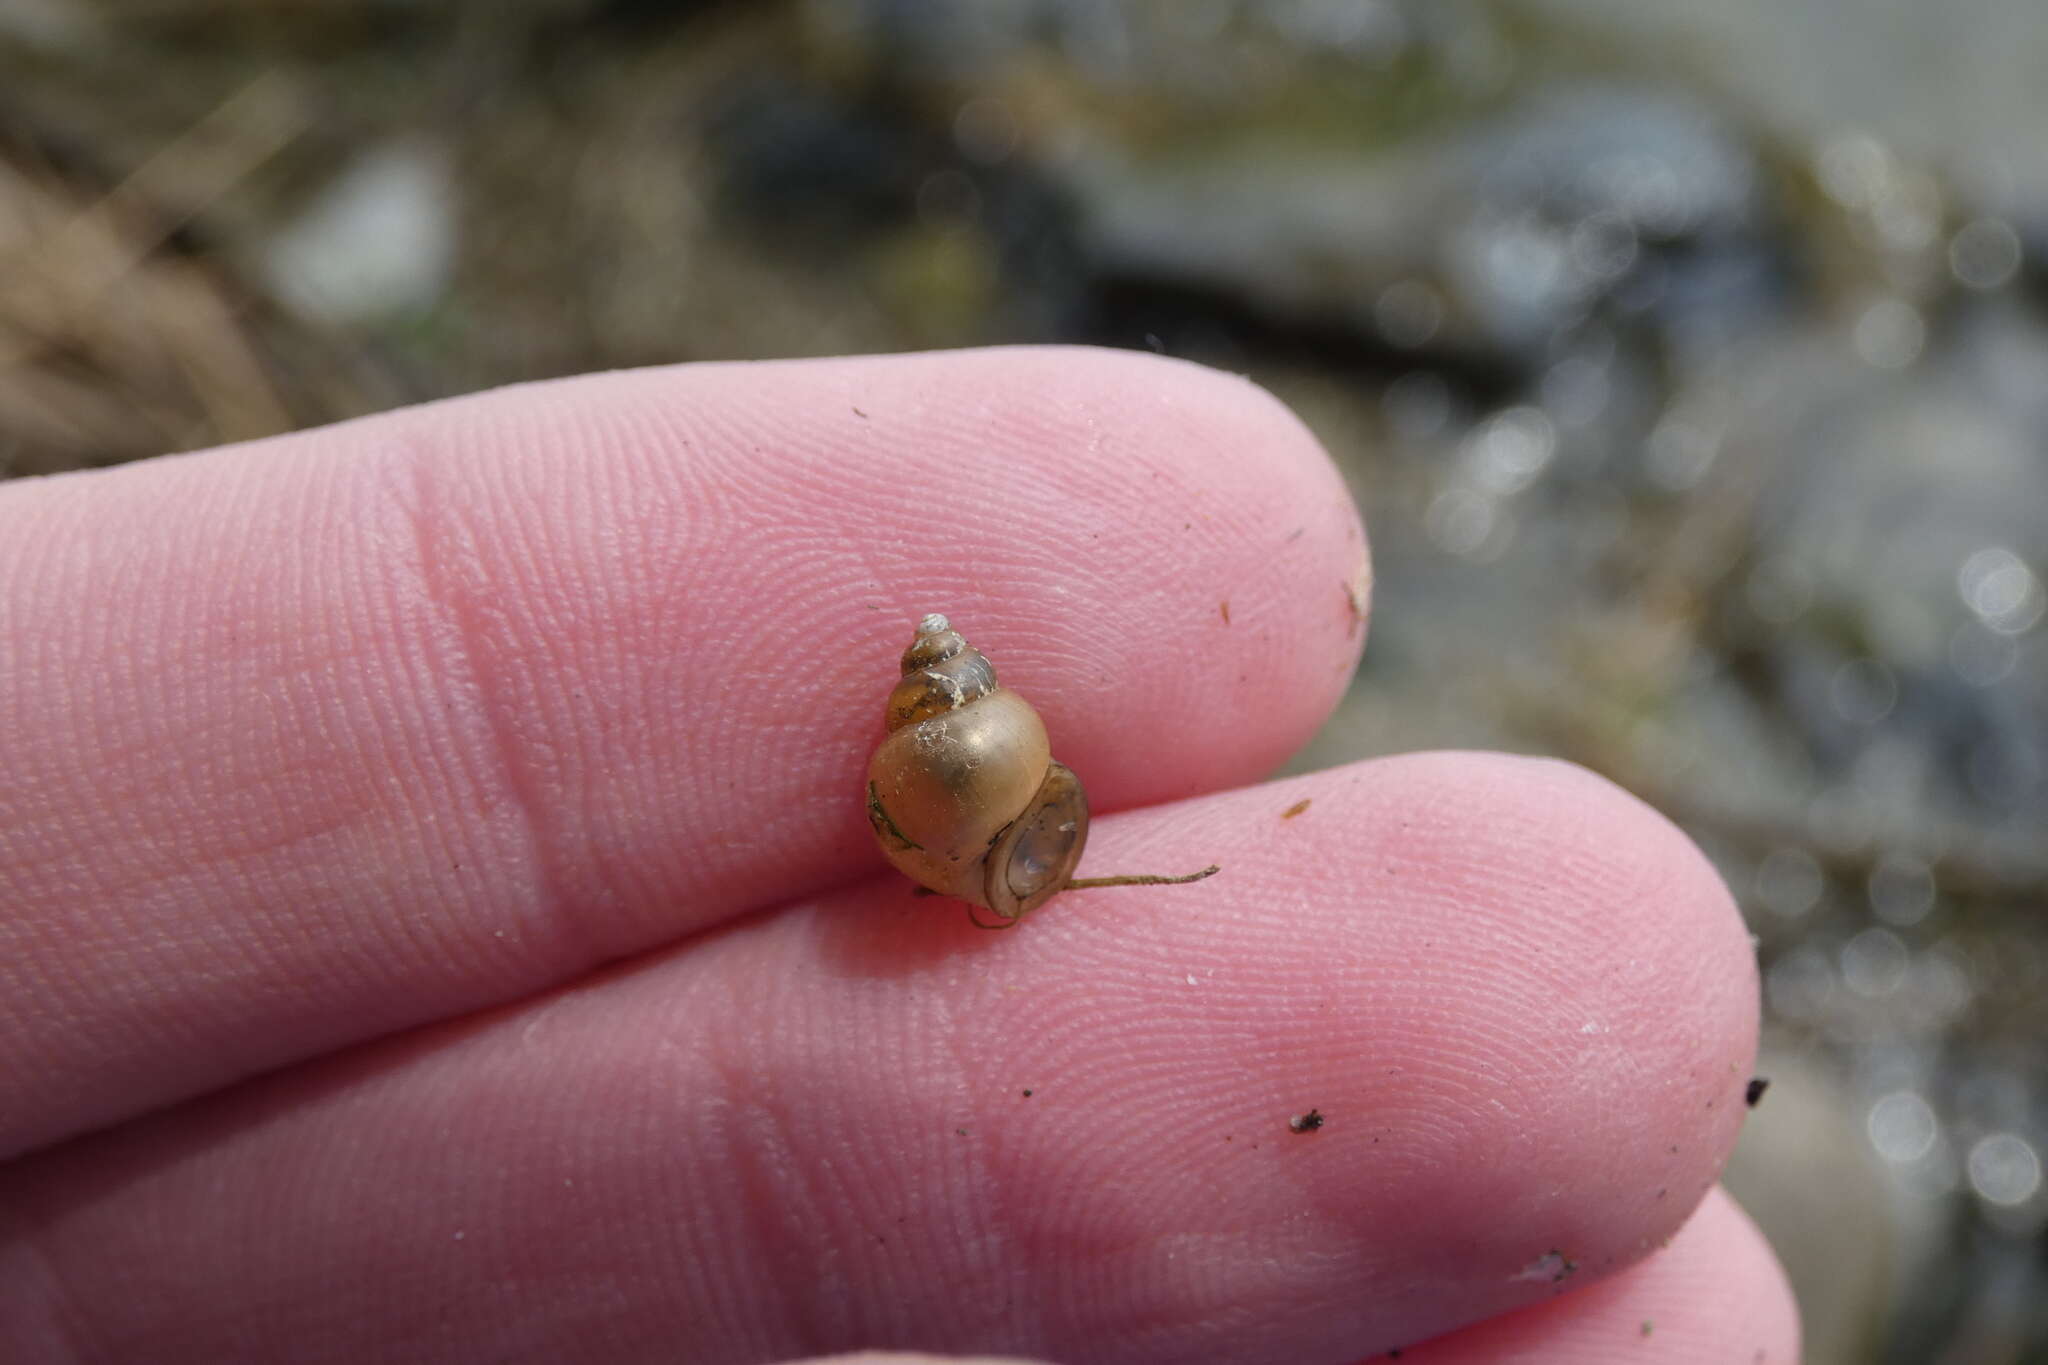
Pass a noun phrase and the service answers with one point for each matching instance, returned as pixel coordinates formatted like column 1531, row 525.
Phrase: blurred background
column 1691, row 362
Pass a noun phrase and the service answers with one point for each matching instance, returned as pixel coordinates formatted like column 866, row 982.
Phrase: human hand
column 438, row 918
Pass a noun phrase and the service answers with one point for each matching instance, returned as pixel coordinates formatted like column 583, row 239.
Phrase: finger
column 1714, row 1296
column 1521, row 1001
column 317, row 739
column 915, row 1358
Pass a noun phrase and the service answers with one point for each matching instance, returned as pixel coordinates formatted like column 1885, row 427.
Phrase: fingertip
column 1147, row 547
column 916, row 1358
column 1508, row 976
column 1580, row 871
column 1713, row 1294
column 1762, row 1304
column 1202, row 573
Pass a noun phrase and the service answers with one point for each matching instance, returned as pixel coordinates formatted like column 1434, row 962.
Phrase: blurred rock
column 378, row 241
column 1957, row 85
column 1915, row 515
column 1499, row 231
column 50, row 24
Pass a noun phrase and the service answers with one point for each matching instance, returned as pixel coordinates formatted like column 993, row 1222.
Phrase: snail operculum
column 1037, row 854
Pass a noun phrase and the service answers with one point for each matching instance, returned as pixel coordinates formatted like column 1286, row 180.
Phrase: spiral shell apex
column 964, row 795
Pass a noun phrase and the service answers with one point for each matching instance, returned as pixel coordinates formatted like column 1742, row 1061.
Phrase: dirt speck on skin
column 1027, row 1094
column 1306, row 1123
column 1755, row 1092
column 1224, row 608
column 1296, row 809
column 1552, row 1267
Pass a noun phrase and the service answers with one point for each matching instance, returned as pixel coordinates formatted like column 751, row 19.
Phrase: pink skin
column 347, row 732
column 412, row 723
column 1712, row 1296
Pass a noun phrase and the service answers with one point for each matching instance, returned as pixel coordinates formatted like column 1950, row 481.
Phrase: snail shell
column 964, row 794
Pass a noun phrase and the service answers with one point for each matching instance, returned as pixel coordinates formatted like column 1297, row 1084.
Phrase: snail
column 964, row 794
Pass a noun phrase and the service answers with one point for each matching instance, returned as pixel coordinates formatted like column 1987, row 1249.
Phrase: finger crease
column 463, row 684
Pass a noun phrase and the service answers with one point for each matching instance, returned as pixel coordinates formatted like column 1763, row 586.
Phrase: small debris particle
column 858, row 413
column 1757, row 1086
column 460, row 1234
column 1192, row 981
column 961, row 1131
column 1295, row 534
column 1225, row 609
column 1358, row 594
column 1552, row 1267
column 1297, row 808
column 1648, row 1327
column 1306, row 1123
column 1027, row 1094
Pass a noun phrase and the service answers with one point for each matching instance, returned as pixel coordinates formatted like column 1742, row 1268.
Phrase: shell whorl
column 941, row 673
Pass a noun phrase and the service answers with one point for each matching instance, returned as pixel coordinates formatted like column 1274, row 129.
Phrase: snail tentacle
column 1141, row 879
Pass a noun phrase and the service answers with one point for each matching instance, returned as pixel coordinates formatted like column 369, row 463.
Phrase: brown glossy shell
column 963, row 794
